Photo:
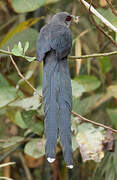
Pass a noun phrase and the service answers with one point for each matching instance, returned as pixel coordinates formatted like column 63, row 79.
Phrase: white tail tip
column 50, row 160
column 70, row 166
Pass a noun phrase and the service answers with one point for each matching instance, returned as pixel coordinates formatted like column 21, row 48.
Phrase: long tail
column 51, row 108
column 65, row 103
column 57, row 98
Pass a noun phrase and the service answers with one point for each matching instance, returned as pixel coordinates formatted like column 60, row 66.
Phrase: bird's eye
column 68, row 18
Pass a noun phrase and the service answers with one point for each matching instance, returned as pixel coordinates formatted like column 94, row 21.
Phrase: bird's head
column 64, row 18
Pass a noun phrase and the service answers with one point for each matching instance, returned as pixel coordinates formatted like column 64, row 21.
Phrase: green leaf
column 19, row 120
column 20, row 48
column 116, row 36
column 31, row 103
column 74, row 143
column 18, row 29
column 31, row 123
column 16, row 117
column 35, row 148
column 112, row 91
column 89, row 83
column 37, row 128
column 30, row 59
column 113, row 116
column 3, row 81
column 105, row 65
column 84, row 106
column 28, row 117
column 77, row 89
column 107, row 13
column 22, row 6
column 26, row 47
column 16, row 51
column 27, row 34
column 7, row 95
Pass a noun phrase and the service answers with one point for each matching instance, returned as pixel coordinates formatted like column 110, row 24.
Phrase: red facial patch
column 68, row 18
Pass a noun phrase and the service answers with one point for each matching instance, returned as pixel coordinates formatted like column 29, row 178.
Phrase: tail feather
column 65, row 102
column 57, row 99
column 50, row 108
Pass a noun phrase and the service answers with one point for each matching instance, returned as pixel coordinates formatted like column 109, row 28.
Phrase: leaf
column 78, row 52
column 19, row 120
column 18, row 29
column 90, row 142
column 16, row 117
column 105, row 65
column 16, row 51
column 74, row 143
column 113, row 116
column 7, row 95
column 26, row 47
column 30, row 5
column 112, row 91
column 31, row 103
column 89, row 83
column 27, row 117
column 3, row 81
column 35, row 148
column 30, row 59
column 107, row 13
column 37, row 128
column 84, row 106
column 20, row 48
column 28, row 34
column 12, row 141
column 77, row 89
column 116, row 36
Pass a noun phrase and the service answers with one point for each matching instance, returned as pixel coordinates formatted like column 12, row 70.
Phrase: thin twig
column 6, row 164
column 95, row 123
column 96, row 13
column 21, row 75
column 6, row 178
column 70, row 57
column 101, row 30
column 2, row 51
column 93, row 55
column 113, row 10
column 74, row 113
column 27, row 171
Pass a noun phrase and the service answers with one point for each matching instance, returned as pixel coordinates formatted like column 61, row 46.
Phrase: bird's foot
column 70, row 166
column 50, row 160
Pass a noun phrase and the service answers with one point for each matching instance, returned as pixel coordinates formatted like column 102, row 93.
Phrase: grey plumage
column 53, row 46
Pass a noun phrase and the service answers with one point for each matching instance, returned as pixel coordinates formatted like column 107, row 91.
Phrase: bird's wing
column 43, row 45
column 60, row 39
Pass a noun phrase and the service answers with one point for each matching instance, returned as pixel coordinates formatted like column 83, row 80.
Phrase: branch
column 2, row 51
column 26, row 169
column 93, row 55
column 96, row 13
column 74, row 113
column 95, row 123
column 7, row 164
column 70, row 57
column 113, row 10
column 21, row 75
column 101, row 30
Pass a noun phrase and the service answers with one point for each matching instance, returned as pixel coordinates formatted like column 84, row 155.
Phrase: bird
column 54, row 44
